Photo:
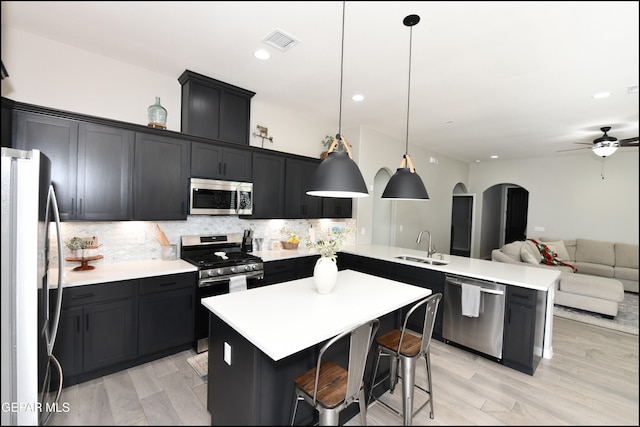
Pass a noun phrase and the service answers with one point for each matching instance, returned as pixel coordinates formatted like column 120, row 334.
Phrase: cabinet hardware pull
column 87, row 321
column 78, row 323
column 82, row 296
column 225, row 168
column 79, row 206
column 219, row 168
column 73, row 206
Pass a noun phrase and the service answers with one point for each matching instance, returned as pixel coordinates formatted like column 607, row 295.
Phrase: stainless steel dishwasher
column 483, row 333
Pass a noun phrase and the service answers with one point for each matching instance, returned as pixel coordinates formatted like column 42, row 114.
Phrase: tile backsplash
column 136, row 240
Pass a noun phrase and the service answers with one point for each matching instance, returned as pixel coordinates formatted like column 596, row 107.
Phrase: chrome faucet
column 430, row 249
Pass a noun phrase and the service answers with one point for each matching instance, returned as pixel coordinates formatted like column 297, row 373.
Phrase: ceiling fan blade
column 573, row 149
column 629, row 142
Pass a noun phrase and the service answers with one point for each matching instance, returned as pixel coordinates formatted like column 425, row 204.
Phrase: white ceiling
column 514, row 79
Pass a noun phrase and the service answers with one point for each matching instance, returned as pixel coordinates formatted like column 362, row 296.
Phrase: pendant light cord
column 406, row 150
column 341, row 70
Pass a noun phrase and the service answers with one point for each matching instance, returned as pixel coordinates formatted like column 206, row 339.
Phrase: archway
column 382, row 232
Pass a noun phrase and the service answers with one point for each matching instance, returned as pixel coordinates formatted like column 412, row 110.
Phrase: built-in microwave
column 214, row 197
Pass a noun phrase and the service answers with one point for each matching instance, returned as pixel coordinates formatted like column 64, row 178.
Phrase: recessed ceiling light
column 357, row 98
column 601, row 95
column 494, row 157
column 262, row 54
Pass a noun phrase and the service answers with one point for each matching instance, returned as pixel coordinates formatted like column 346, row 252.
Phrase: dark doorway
column 461, row 225
column 516, row 217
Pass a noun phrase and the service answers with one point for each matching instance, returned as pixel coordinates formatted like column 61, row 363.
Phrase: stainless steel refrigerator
column 31, row 376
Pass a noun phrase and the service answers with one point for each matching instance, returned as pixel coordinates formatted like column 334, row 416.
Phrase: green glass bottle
column 157, row 115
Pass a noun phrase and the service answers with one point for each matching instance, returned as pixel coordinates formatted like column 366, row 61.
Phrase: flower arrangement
column 76, row 243
column 328, row 244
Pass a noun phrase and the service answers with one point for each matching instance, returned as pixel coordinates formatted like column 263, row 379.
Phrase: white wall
column 567, row 195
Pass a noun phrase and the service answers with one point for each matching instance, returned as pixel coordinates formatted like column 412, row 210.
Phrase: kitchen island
column 262, row 338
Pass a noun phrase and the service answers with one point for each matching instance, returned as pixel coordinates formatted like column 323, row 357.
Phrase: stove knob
column 220, row 272
column 233, row 270
column 247, row 267
column 211, row 273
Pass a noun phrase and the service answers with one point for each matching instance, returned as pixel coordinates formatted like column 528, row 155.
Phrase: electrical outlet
column 538, row 228
column 401, row 227
column 227, row 353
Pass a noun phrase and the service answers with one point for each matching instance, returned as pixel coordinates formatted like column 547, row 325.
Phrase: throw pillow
column 561, row 251
column 527, row 257
column 533, row 249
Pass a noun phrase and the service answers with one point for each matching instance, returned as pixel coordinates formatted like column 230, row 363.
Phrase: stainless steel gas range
column 218, row 258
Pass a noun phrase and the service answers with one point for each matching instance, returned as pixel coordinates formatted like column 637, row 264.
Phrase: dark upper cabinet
column 336, row 207
column 91, row 164
column 105, row 172
column 161, row 178
column 268, row 185
column 214, row 109
column 298, row 175
column 218, row 162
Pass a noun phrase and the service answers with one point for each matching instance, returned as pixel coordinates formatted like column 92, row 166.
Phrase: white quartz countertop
column 288, row 317
column 119, row 271
column 510, row 274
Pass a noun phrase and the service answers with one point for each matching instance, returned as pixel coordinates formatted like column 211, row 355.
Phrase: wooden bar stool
column 328, row 387
column 404, row 349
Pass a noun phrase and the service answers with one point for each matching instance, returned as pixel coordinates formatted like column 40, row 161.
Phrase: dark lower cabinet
column 305, row 265
column 523, row 329
column 98, row 328
column 281, row 270
column 166, row 312
column 107, row 327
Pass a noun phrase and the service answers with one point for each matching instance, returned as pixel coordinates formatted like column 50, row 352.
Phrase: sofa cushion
column 528, row 257
column 594, row 251
column 512, row 250
column 597, row 287
column 558, row 248
column 594, row 269
column 625, row 273
column 626, row 255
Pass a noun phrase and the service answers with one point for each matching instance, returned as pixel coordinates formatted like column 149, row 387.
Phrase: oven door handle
column 212, row 281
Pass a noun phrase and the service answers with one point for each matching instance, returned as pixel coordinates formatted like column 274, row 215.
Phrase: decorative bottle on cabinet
column 157, row 115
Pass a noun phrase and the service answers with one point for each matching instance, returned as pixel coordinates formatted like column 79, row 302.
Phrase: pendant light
column 338, row 175
column 406, row 184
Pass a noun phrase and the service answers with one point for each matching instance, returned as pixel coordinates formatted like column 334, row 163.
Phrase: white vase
column 325, row 274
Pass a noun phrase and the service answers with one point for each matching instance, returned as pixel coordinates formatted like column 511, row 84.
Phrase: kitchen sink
column 423, row 260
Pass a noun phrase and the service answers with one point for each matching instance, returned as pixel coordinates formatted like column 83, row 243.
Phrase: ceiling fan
column 606, row 145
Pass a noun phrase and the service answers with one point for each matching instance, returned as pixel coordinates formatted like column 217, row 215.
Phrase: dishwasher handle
column 457, row 282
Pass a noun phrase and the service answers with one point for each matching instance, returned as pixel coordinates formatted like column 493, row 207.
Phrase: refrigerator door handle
column 52, row 207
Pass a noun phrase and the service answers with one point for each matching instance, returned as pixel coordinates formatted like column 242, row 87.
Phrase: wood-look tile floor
column 592, row 379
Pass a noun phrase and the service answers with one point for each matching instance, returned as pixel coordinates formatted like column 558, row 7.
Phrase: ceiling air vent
column 281, row 40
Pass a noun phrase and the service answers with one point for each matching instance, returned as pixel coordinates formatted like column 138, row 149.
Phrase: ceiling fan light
column 604, row 151
column 405, row 185
column 338, row 176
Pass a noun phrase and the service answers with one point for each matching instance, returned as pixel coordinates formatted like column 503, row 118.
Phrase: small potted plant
column 77, row 245
column 326, row 143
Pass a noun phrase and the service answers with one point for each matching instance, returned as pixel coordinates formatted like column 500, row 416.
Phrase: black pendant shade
column 338, row 176
column 405, row 185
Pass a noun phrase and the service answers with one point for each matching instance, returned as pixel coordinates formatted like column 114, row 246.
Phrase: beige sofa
column 604, row 270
